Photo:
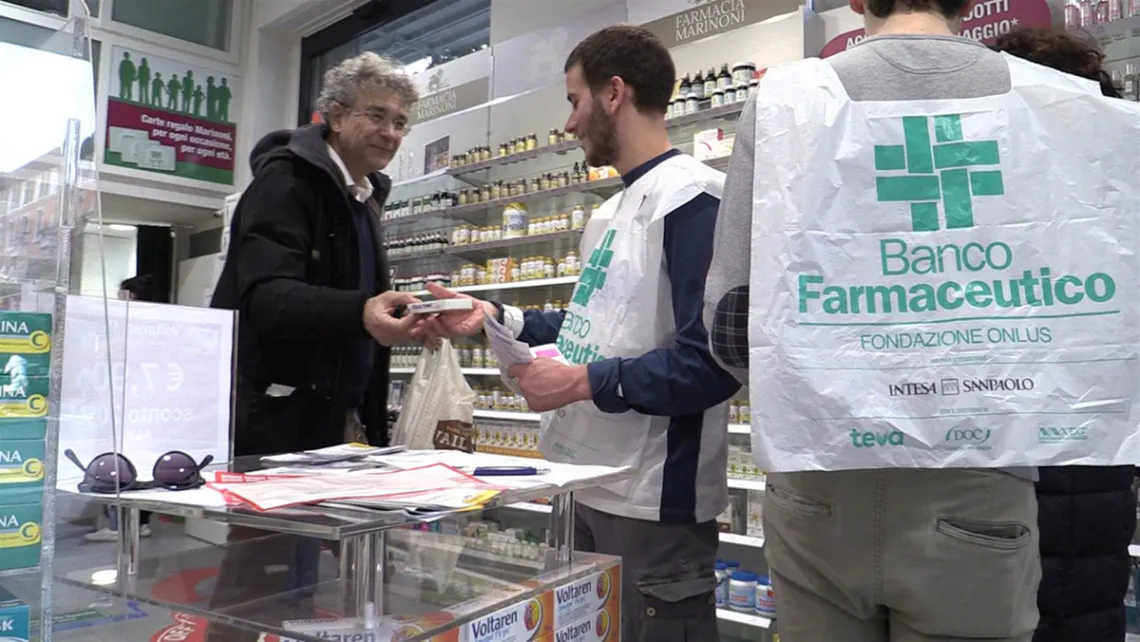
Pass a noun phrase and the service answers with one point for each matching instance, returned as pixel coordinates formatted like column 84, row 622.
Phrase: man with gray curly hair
column 307, row 273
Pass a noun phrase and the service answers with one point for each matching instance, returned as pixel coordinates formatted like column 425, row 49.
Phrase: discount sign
column 988, row 20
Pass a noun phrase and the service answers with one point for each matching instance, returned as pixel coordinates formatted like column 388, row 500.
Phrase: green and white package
column 943, row 283
column 25, row 365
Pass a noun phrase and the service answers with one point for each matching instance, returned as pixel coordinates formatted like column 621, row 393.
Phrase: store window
column 420, row 37
column 56, row 7
column 202, row 22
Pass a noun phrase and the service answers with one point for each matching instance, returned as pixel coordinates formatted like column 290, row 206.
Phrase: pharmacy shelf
column 480, row 251
column 605, row 188
column 481, row 372
column 422, row 178
column 726, row 111
column 514, row 285
column 747, row 619
column 747, row 484
column 739, row 429
column 401, row 371
column 742, row 540
column 500, row 161
column 531, row 417
column 416, row 256
column 530, row 507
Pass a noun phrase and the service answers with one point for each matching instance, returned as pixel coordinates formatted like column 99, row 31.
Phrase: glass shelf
column 433, row 583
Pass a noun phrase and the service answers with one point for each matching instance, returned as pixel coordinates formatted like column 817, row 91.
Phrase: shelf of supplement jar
column 416, row 256
column 747, row 484
column 739, row 429
column 499, row 161
column 475, row 250
column 714, row 113
column 401, row 371
column 740, row 617
column 528, row 417
column 513, row 285
column 481, row 372
column 742, row 540
column 605, row 187
column 422, row 178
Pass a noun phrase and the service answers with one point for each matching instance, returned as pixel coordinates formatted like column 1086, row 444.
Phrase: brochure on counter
column 421, row 483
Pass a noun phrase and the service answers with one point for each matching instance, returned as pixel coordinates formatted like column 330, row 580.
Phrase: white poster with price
column 164, row 370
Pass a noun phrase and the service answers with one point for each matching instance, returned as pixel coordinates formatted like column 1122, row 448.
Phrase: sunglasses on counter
column 113, row 472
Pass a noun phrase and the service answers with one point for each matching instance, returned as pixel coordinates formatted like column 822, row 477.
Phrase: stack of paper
column 415, row 487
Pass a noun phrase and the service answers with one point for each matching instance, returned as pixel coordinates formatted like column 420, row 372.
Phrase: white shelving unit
column 513, row 285
column 747, row 484
column 742, row 540
column 747, row 619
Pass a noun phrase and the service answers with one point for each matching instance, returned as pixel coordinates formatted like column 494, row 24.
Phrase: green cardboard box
column 25, row 369
column 20, row 535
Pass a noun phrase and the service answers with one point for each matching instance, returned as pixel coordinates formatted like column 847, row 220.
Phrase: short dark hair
column 142, row 287
column 636, row 56
column 884, row 8
column 1062, row 51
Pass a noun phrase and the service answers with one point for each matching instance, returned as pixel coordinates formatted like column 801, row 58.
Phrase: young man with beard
column 650, row 396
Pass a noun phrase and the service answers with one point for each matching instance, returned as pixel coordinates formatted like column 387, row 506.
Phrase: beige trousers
column 903, row 555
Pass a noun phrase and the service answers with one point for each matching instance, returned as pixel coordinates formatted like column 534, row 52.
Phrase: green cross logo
column 938, row 172
column 594, row 275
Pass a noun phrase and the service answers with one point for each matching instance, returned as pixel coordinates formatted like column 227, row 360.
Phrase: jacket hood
column 275, row 141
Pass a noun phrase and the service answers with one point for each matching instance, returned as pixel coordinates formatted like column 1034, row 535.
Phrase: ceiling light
column 119, row 227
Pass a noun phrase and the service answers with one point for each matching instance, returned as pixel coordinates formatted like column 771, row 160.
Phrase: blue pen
column 508, row 471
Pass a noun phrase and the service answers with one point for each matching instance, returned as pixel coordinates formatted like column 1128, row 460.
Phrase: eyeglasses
column 112, row 472
column 380, row 117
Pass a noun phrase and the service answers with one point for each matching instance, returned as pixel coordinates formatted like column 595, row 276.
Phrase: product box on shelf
column 528, row 620
column 21, row 470
column 755, row 522
column 584, row 599
column 25, row 358
column 15, row 618
column 603, row 626
column 20, row 535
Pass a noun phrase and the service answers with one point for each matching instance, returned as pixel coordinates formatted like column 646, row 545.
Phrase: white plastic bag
column 438, row 406
column 889, row 240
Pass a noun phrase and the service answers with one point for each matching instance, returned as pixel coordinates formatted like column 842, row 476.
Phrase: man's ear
column 337, row 114
column 857, row 6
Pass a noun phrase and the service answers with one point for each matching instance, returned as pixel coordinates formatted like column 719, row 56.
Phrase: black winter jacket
column 292, row 272
column 1087, row 516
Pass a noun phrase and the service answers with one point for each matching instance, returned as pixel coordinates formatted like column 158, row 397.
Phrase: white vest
column 623, row 307
column 944, row 283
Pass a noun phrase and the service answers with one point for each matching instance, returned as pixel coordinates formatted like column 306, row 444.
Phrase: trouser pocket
column 692, row 619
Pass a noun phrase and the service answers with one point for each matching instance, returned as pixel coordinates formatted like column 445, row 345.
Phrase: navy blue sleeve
column 541, row 328
column 683, row 379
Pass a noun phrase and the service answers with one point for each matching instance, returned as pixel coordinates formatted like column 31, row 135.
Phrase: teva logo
column 1061, row 434
column 876, row 439
column 938, row 172
column 593, row 277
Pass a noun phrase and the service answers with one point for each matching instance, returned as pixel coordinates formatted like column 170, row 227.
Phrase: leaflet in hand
column 509, row 350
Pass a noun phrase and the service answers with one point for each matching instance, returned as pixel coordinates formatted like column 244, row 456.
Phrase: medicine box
column 21, row 471
column 25, row 366
column 15, row 618
column 20, row 538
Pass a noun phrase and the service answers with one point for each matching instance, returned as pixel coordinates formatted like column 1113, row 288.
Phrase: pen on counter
column 508, row 471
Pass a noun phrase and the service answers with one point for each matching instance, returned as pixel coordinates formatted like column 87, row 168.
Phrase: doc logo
column 968, row 438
